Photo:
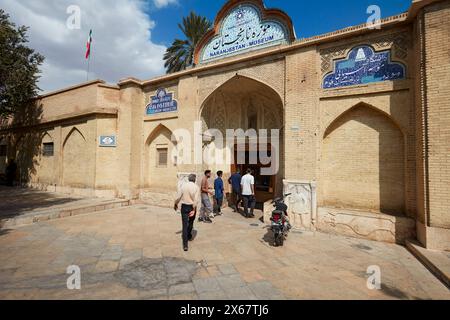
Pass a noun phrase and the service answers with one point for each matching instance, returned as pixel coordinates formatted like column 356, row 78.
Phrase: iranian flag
column 88, row 45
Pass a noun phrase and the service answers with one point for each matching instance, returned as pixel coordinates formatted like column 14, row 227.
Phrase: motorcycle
column 280, row 225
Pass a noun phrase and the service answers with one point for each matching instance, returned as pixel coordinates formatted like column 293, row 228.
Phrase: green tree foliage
column 19, row 68
column 180, row 55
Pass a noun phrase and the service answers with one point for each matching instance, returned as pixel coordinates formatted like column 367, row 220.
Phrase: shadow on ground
column 15, row 202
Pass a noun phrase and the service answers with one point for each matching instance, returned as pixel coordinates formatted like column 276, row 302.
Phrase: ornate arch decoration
column 362, row 65
column 234, row 78
column 330, row 127
column 240, row 37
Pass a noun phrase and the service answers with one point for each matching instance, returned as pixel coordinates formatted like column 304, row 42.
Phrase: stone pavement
column 135, row 253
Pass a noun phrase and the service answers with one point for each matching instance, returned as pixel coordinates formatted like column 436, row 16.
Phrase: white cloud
column 122, row 43
column 164, row 3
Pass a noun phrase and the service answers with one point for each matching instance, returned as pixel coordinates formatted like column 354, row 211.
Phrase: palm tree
column 180, row 55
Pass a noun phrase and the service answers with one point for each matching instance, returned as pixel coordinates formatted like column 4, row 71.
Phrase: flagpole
column 89, row 54
column 87, row 74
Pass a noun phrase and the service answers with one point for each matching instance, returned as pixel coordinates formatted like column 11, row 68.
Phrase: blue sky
column 310, row 17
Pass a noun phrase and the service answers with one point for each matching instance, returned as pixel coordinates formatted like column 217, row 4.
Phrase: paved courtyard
column 135, row 253
column 20, row 202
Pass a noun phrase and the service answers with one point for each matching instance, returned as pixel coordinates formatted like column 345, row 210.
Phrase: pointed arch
column 242, row 103
column 47, row 138
column 160, row 171
column 332, row 124
column 73, row 131
column 160, row 128
column 75, row 160
column 268, row 89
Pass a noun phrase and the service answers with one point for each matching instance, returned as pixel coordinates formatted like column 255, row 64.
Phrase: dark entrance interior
column 265, row 186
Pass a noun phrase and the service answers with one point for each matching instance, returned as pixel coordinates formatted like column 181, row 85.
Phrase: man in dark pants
column 189, row 198
column 219, row 189
column 235, row 181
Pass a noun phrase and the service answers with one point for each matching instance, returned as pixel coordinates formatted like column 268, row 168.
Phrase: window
column 2, row 150
column 162, row 157
column 48, row 149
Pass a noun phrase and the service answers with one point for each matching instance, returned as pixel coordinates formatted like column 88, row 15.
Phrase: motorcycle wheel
column 279, row 240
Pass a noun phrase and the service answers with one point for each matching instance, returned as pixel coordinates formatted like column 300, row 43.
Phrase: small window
column 3, row 150
column 163, row 157
column 48, row 150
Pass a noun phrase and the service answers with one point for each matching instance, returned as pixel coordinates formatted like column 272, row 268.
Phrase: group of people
column 190, row 196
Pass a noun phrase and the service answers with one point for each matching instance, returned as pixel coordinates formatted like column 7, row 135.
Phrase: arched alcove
column 47, row 160
column 363, row 162
column 75, row 160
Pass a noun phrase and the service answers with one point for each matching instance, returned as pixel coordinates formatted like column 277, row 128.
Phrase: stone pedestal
column 302, row 203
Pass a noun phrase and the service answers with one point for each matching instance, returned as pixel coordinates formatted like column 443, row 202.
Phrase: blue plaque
column 364, row 65
column 161, row 103
column 242, row 30
column 108, row 141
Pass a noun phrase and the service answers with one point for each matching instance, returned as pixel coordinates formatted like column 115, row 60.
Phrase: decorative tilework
column 243, row 30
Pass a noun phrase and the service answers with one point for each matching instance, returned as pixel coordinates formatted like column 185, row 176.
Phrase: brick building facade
column 363, row 114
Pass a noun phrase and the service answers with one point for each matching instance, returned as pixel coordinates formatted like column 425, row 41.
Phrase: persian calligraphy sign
column 364, row 65
column 244, row 29
column 162, row 102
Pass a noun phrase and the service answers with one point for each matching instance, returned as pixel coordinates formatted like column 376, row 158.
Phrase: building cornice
column 64, row 117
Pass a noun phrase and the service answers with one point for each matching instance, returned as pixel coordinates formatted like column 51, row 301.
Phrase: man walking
column 206, row 213
column 189, row 199
column 235, row 181
column 248, row 193
column 218, row 189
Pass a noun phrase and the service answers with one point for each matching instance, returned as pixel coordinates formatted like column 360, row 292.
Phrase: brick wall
column 436, row 99
column 363, row 163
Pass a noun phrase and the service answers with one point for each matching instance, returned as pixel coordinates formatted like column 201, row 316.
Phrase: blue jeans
column 219, row 203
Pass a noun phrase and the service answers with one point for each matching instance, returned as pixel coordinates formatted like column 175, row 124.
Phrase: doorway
column 265, row 186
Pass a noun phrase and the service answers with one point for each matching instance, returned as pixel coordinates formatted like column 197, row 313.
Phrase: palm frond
column 180, row 54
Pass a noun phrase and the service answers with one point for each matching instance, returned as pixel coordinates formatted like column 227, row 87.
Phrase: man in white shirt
column 248, row 193
column 189, row 197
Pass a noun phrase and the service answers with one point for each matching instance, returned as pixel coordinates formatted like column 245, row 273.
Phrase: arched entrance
column 246, row 105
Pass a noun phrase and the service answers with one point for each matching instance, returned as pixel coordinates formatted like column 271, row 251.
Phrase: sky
column 131, row 36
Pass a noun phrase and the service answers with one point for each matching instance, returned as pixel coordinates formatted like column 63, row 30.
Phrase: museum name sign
column 162, row 102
